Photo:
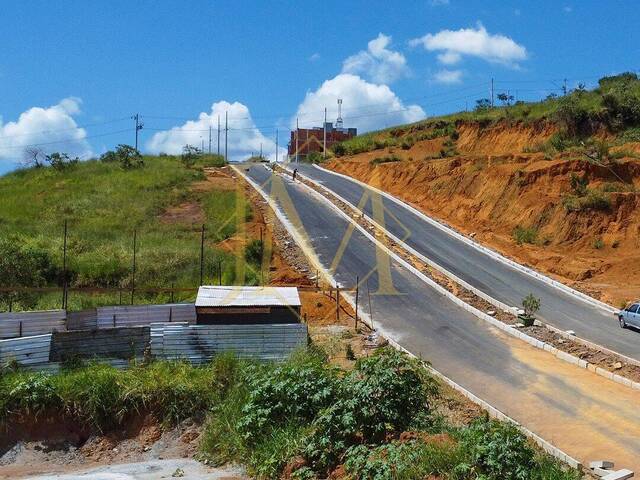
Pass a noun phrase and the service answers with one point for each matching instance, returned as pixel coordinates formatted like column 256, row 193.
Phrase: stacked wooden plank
column 24, row 324
column 30, row 352
column 137, row 315
column 199, row 343
column 82, row 320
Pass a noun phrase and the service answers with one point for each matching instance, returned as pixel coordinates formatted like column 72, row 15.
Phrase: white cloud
column 243, row 138
column 448, row 76
column 314, row 57
column 366, row 106
column 53, row 127
column 476, row 42
column 567, row 9
column 377, row 63
column 438, row 3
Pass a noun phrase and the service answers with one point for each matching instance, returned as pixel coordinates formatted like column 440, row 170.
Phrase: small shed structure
column 239, row 305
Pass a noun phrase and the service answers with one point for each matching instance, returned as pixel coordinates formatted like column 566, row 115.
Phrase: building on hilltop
column 308, row 140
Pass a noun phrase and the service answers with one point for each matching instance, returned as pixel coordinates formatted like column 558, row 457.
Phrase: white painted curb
column 560, row 354
column 493, row 412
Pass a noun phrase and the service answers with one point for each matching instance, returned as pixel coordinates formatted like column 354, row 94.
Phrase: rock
column 491, row 312
column 606, row 464
column 571, row 332
column 619, row 475
column 617, row 365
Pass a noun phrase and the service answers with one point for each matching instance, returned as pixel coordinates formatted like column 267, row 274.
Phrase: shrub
column 384, row 393
column 598, row 243
column 339, row 149
column 531, row 305
column 497, row 450
column 525, row 235
column 315, row 157
column 579, row 184
column 60, row 161
column 593, row 200
column 253, row 252
column 129, row 157
column 573, row 115
column 189, row 155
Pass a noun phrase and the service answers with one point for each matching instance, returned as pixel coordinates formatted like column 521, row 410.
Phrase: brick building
column 310, row 140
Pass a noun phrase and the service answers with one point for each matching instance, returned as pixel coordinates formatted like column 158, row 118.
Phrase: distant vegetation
column 304, row 413
column 614, row 106
column 104, row 201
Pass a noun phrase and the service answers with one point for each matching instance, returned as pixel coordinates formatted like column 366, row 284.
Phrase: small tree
column 33, row 157
column 189, row 155
column 483, row 104
column 129, row 157
column 60, row 161
column 109, row 157
column 531, row 305
column 505, row 98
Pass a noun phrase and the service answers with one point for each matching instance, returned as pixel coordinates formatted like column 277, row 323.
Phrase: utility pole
column 202, row 255
column 64, row 267
column 324, row 136
column 226, row 134
column 133, row 277
column 491, row 92
column 139, row 126
column 209, row 139
column 297, row 136
column 564, row 87
column 276, row 145
column 218, row 134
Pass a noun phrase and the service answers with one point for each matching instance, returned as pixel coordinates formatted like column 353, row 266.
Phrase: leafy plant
column 525, row 235
column 531, row 305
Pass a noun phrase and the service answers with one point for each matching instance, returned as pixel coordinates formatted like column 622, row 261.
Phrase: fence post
column 133, row 278
column 20, row 329
column 357, row 292
column 337, row 303
column 173, row 286
column 202, row 255
column 170, row 314
column 64, row 267
column 114, row 320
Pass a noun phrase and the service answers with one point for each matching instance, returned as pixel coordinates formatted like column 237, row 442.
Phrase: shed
column 239, row 305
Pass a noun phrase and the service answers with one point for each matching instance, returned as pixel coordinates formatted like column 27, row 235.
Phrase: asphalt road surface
column 495, row 278
column 587, row 416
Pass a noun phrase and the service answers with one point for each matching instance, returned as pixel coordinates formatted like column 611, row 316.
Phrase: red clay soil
column 491, row 187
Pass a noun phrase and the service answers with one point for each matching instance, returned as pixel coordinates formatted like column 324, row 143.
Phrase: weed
column 387, row 159
column 525, row 235
column 598, row 243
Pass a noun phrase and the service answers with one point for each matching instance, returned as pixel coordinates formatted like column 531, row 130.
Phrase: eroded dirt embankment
column 490, row 187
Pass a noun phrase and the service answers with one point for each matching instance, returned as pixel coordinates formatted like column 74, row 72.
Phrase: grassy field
column 103, row 205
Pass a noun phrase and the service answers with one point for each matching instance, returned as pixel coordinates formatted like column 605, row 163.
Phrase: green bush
column 253, row 252
column 525, row 235
column 592, row 200
column 496, row 450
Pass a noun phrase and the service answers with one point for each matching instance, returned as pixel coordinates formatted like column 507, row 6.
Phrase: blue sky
column 73, row 72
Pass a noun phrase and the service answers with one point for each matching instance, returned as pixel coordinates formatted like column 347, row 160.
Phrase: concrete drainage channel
column 303, row 244
column 336, row 199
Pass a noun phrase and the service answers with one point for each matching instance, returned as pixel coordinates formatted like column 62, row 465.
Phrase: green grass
column 264, row 415
column 613, row 106
column 103, row 204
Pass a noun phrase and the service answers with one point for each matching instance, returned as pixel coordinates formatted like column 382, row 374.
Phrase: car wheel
column 623, row 324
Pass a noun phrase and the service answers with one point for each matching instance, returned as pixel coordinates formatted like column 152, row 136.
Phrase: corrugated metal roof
column 235, row 296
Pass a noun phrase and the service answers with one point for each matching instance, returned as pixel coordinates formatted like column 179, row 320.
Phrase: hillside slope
column 165, row 202
column 559, row 210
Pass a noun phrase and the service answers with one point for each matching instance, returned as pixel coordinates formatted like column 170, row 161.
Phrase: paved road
column 585, row 415
column 495, row 278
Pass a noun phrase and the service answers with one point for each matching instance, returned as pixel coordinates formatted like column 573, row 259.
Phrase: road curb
column 560, row 354
column 493, row 412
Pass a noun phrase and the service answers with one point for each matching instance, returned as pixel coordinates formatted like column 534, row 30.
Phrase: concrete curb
column 492, row 253
column 496, row 323
column 493, row 412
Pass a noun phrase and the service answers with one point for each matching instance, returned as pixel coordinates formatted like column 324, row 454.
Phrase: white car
column 630, row 316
